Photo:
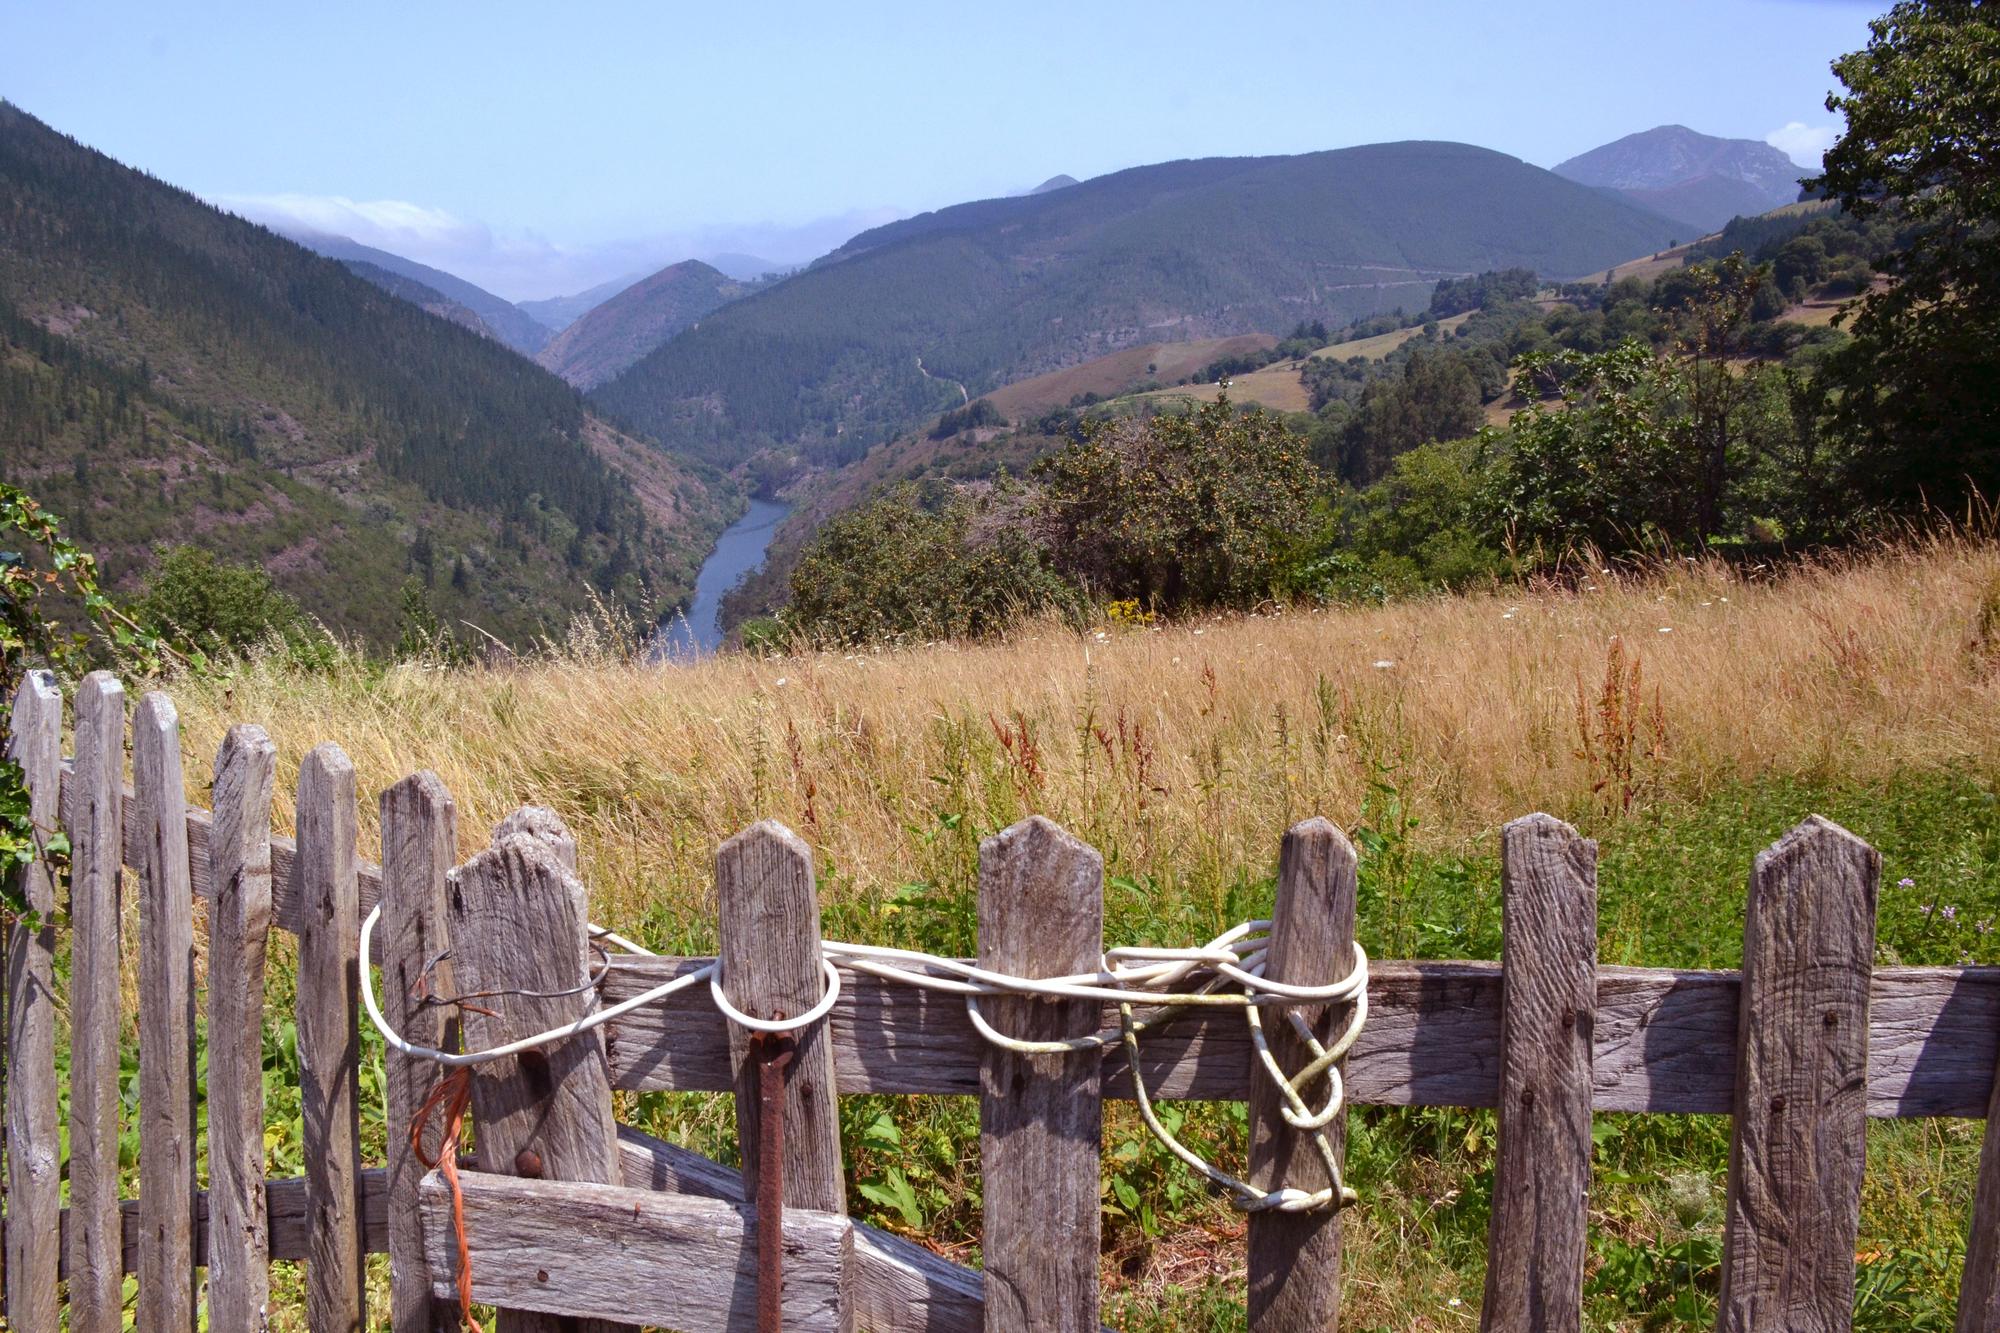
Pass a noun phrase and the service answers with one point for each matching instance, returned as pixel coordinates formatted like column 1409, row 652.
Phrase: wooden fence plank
column 663, row 1259
column 34, row 1166
column 95, row 820
column 897, row 1286
column 1041, row 1117
column 1538, row 1227
column 518, row 924
column 239, row 925
column 1796, row 1149
column 419, row 848
column 1979, row 1290
column 769, row 946
column 1665, row 1040
column 329, row 1039
column 166, row 1024
column 285, row 910
column 1295, row 1257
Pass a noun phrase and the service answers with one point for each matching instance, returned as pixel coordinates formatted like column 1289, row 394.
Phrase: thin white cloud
column 1801, row 142
column 525, row 265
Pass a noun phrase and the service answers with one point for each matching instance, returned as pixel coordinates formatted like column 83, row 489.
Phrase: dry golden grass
column 1182, row 751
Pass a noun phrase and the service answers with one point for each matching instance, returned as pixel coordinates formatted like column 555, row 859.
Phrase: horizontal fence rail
column 1665, row 1040
column 566, row 1215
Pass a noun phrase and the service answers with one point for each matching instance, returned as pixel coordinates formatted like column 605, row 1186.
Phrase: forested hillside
column 169, row 373
column 612, row 335
column 502, row 318
column 888, row 329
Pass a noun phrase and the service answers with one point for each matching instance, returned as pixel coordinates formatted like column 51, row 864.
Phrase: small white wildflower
column 781, row 680
column 1384, row 664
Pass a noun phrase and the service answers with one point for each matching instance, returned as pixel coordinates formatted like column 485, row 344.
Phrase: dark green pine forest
column 170, row 373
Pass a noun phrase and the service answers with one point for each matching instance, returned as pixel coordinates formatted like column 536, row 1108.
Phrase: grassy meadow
column 1684, row 715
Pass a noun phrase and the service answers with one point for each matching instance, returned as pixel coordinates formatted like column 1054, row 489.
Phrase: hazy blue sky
column 539, row 148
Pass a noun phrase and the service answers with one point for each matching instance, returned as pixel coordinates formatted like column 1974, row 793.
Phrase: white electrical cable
column 1130, row 977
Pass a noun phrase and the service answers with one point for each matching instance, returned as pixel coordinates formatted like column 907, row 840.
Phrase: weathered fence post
column 768, row 911
column 328, row 893
column 519, row 927
column 239, row 926
column 1798, row 1142
column 1979, row 1289
column 419, row 848
column 769, row 923
column 95, row 819
column 166, row 1024
column 1041, row 1117
column 1538, row 1229
column 1295, row 1257
column 34, row 1167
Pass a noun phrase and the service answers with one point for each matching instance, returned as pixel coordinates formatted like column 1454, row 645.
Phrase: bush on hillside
column 1182, row 512
column 223, row 607
column 948, row 563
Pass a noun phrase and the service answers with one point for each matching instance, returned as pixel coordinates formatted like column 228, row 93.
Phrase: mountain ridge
column 1695, row 178
column 995, row 290
column 617, row 332
column 504, row 321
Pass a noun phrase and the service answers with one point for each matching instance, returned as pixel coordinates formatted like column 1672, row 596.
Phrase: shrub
column 223, row 607
column 1182, row 512
column 948, row 563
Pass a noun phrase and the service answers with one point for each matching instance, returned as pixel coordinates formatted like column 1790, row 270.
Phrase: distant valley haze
column 541, row 153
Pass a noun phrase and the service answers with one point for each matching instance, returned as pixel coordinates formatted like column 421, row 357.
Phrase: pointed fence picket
column 574, row 1221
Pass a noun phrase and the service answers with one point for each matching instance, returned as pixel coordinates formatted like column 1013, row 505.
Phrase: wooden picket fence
column 569, row 1216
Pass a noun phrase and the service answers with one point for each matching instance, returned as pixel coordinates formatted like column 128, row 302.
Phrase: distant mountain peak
column 1054, row 183
column 616, row 332
column 1689, row 176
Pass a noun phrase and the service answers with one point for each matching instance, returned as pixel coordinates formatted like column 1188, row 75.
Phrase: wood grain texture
column 604, row 1252
column 1295, row 1257
column 1041, row 1117
column 95, row 820
column 286, row 1222
column 239, row 926
column 34, row 1166
column 285, row 911
column 1796, row 1146
column 166, row 1024
column 518, row 922
column 896, row 1285
column 419, row 848
column 324, row 886
column 1979, row 1289
column 768, row 918
column 1665, row 1040
column 1537, row 1233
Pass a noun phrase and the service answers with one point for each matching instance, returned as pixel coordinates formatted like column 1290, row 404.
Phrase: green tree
column 1920, row 385
column 1182, row 511
column 1437, row 397
column 917, row 564
column 224, row 607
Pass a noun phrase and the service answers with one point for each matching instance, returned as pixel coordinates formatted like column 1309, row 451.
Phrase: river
column 739, row 550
